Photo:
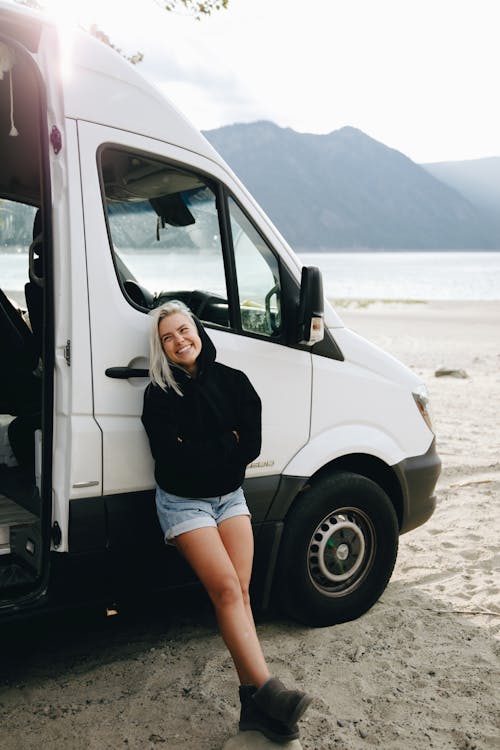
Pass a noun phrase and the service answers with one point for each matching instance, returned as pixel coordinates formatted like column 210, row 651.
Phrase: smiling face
column 180, row 340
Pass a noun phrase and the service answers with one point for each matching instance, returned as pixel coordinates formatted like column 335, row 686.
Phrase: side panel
column 359, row 409
column 355, row 409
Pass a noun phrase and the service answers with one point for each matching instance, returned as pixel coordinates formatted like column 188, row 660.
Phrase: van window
column 258, row 276
column 16, row 234
column 164, row 229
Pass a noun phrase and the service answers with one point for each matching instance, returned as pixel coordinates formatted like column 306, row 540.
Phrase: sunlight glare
column 69, row 15
column 87, row 12
column 64, row 15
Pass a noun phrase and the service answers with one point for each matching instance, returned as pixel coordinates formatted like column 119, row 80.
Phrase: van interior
column 22, row 324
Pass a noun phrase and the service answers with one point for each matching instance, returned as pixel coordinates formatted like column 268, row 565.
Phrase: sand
column 420, row 670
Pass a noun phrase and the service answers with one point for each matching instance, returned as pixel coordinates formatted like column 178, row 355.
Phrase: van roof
column 98, row 84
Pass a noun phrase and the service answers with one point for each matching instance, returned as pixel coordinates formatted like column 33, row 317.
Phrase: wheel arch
column 362, row 464
column 369, row 467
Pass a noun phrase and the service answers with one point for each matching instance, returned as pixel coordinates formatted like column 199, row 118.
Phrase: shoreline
column 369, row 301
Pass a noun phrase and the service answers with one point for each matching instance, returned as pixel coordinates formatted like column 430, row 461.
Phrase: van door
column 26, row 327
column 159, row 226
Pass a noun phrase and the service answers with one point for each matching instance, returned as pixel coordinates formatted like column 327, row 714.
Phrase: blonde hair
column 160, row 371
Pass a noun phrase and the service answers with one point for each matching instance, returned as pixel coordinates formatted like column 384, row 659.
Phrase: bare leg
column 237, row 537
column 205, row 551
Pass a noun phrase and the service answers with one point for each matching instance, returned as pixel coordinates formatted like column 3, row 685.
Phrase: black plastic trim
column 129, row 520
column 87, row 524
column 328, row 347
column 266, row 557
column 418, row 476
column 288, row 489
column 259, row 494
column 228, row 257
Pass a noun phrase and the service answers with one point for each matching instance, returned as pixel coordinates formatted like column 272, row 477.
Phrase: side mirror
column 311, row 307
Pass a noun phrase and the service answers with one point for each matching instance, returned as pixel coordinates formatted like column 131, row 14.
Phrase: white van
column 111, row 203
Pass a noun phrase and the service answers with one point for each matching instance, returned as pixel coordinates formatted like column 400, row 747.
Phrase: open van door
column 26, row 319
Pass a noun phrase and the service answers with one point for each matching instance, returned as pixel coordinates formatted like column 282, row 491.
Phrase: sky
column 421, row 76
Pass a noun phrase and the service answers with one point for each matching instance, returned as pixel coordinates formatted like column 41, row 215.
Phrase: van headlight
column 421, row 396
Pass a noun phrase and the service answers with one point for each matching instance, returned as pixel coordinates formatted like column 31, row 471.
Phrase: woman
column 203, row 420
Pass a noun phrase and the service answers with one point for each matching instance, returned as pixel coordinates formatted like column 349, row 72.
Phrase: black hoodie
column 208, row 460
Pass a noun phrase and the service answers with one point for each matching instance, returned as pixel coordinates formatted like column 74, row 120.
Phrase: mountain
column 346, row 190
column 478, row 180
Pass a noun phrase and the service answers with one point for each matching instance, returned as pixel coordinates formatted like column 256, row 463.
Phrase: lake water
column 409, row 275
column 356, row 275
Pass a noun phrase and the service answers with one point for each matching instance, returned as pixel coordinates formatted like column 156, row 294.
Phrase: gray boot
column 286, row 706
column 253, row 718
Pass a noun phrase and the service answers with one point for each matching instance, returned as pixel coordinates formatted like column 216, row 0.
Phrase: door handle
column 124, row 373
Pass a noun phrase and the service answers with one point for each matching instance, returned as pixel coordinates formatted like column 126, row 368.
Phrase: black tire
column 338, row 551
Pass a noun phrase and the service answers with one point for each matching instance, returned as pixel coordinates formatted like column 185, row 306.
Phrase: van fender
column 341, row 441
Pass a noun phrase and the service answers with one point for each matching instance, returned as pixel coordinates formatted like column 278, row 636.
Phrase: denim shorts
column 180, row 514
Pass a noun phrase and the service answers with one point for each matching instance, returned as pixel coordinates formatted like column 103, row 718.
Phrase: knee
column 226, row 592
column 245, row 593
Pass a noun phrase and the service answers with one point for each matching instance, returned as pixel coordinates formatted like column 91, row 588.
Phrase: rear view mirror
column 311, row 307
column 172, row 210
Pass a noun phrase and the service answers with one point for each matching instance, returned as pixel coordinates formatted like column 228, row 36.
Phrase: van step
column 14, row 575
column 18, row 486
column 11, row 515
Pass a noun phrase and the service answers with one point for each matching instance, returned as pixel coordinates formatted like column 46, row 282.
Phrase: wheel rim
column 341, row 551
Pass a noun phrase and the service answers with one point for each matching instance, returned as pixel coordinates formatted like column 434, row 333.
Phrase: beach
column 420, row 670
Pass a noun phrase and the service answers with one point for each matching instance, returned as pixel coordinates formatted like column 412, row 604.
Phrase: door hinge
column 67, row 352
column 56, row 139
column 56, row 534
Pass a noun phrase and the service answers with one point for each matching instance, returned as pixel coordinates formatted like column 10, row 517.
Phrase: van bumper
column 418, row 476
